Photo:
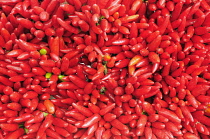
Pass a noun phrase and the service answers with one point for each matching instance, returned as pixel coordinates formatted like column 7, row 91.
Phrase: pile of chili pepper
column 104, row 69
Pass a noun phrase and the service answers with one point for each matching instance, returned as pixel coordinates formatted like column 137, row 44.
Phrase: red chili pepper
column 23, row 118
column 194, row 8
column 115, row 131
column 83, row 25
column 125, row 118
column 62, row 131
column 129, row 88
column 192, row 100
column 68, row 8
column 27, row 46
column 67, row 26
column 190, row 135
column 16, row 134
column 203, row 98
column 99, row 132
column 25, row 23
column 169, row 114
column 71, row 129
column 75, row 115
column 36, row 119
column 51, row 6
column 106, row 134
column 142, row 90
column 33, row 128
column 154, row 44
column 171, row 127
column 148, row 132
column 91, row 120
column 158, row 125
column 107, row 109
column 82, row 109
column 5, row 81
column 117, row 124
column 171, row 81
column 9, row 127
column 142, row 121
column 177, row 11
column 23, row 56
column 10, row 2
column 109, row 117
column 159, row 133
column 148, row 108
column 77, row 81
column 52, row 133
column 45, row 125
column 200, row 89
column 67, row 85
column 128, row 19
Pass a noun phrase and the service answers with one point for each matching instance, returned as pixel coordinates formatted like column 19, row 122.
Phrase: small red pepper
column 91, row 120
column 82, row 109
column 169, row 114
column 16, row 134
column 67, row 26
column 44, row 126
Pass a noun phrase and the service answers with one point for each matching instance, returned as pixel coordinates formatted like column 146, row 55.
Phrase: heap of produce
column 104, row 69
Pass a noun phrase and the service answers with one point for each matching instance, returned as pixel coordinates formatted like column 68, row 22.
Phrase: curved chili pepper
column 27, row 46
column 171, row 81
column 67, row 26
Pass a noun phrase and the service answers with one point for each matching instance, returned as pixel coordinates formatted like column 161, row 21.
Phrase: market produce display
column 104, row 69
